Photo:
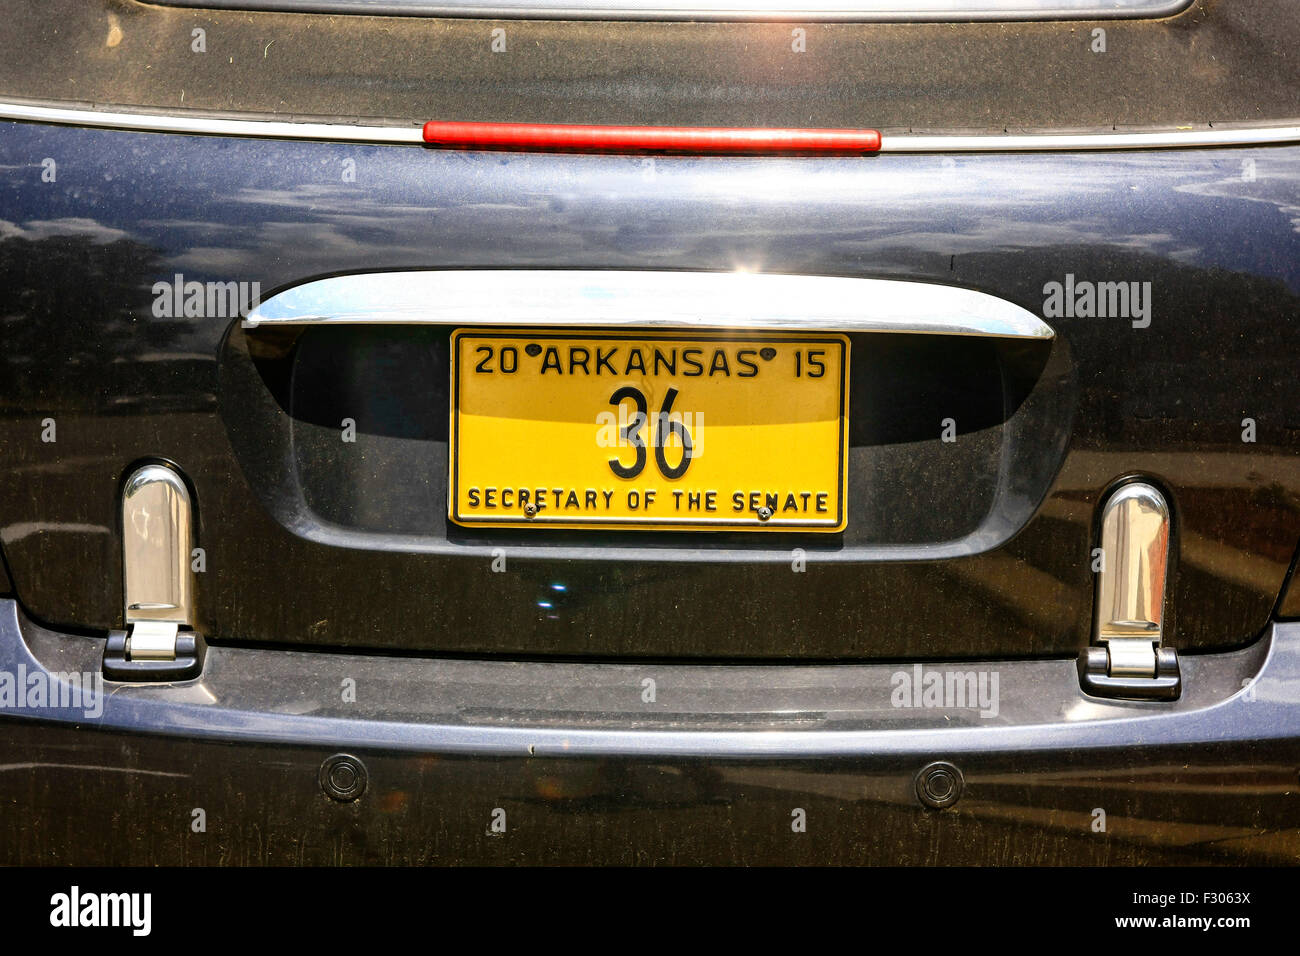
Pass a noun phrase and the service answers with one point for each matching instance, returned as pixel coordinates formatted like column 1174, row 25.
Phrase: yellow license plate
column 648, row 430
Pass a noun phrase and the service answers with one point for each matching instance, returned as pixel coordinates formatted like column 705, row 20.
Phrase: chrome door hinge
column 159, row 643
column 1134, row 564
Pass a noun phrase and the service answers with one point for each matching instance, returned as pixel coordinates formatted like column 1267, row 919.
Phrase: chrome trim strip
column 1068, row 142
column 656, row 300
column 413, row 136
column 902, row 11
column 211, row 125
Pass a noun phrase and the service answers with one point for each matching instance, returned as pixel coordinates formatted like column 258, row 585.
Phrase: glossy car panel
column 989, row 557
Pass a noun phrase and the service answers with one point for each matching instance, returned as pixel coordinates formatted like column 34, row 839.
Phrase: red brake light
column 649, row 139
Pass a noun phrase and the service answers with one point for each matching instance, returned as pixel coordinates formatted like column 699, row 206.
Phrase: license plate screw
column 764, row 513
column 530, row 510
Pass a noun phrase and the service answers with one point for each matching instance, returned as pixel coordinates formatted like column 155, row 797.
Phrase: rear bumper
column 570, row 756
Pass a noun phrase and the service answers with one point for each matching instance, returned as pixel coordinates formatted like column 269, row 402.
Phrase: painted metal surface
column 979, row 546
